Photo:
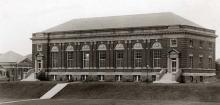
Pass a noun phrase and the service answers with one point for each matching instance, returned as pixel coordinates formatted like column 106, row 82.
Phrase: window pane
column 156, row 58
column 54, row 59
column 85, row 59
column 102, row 58
column 70, row 59
column 119, row 59
column 138, row 59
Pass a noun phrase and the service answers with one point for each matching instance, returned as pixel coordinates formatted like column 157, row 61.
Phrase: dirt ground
column 107, row 102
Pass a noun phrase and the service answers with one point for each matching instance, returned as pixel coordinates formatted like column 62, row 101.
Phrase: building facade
column 146, row 47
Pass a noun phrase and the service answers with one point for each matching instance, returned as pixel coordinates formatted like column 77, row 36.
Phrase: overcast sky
column 20, row 18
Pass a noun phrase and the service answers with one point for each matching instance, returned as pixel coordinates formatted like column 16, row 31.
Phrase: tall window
column 69, row 53
column 119, row 58
column 173, row 42
column 210, row 45
column 210, row 63
column 138, row 59
column 200, row 44
column 156, row 58
column 190, row 43
column 85, row 51
column 70, row 59
column 102, row 58
column 85, row 59
column 137, row 54
column 119, row 55
column 102, row 55
column 200, row 61
column 156, row 54
column 191, row 61
column 54, row 56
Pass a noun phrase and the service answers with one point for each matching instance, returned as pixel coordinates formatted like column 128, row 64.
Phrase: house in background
column 2, row 74
column 13, row 66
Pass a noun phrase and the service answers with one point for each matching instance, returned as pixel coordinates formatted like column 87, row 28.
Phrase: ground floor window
column 54, row 77
column 101, row 77
column 201, row 78
column 191, row 78
column 84, row 77
column 118, row 77
column 69, row 77
column 136, row 78
column 153, row 77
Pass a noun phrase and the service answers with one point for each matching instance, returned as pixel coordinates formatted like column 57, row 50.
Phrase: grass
column 113, row 93
column 108, row 102
column 23, row 90
column 141, row 91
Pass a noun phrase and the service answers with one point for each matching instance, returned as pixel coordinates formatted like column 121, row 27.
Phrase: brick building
column 160, row 47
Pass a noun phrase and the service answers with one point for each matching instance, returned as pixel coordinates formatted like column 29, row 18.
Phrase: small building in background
column 13, row 66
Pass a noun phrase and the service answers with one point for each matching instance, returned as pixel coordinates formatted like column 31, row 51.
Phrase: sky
column 20, row 18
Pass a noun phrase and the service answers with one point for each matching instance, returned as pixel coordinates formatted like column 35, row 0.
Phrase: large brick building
column 160, row 47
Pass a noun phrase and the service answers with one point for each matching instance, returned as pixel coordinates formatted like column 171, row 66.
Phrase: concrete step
column 52, row 92
column 31, row 77
column 166, row 78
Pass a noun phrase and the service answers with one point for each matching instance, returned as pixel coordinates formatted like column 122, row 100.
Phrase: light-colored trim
column 69, row 48
column 198, row 74
column 119, row 46
column 103, row 73
column 85, row 48
column 54, row 49
column 156, row 45
column 137, row 46
column 102, row 47
column 118, row 38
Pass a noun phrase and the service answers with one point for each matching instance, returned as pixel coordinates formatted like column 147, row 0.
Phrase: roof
column 29, row 56
column 125, row 21
column 11, row 57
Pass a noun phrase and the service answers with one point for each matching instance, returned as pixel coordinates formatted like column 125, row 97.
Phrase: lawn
column 108, row 102
column 112, row 93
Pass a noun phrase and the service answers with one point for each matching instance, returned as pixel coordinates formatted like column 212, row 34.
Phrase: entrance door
column 39, row 64
column 173, row 64
column 173, row 61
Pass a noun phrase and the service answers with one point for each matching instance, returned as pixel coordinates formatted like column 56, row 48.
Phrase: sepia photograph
column 109, row 52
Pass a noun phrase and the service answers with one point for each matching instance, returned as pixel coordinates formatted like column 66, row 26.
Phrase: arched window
column 54, row 56
column 156, row 54
column 85, row 51
column 102, row 55
column 69, row 52
column 119, row 55
column 137, row 54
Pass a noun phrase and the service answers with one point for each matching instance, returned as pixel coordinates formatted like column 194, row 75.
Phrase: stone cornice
column 128, row 31
column 188, row 32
